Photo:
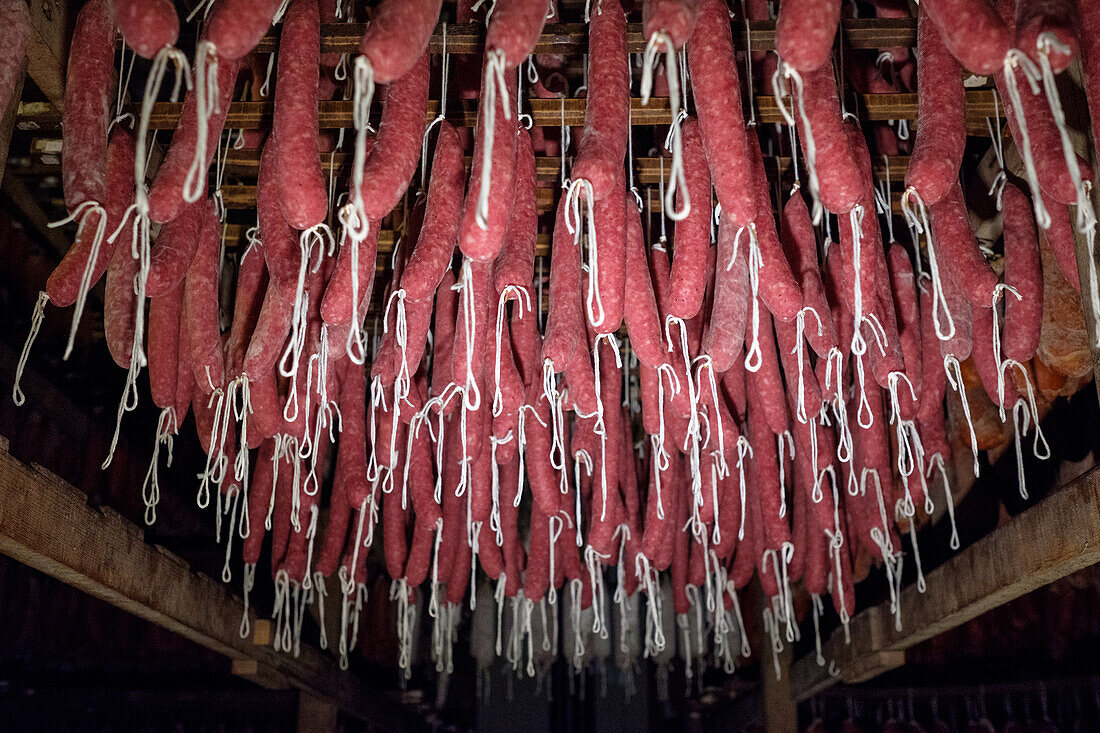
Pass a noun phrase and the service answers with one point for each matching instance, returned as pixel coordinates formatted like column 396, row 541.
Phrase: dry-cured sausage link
column 972, row 32
column 956, row 244
column 201, row 307
column 674, row 18
column 302, row 186
column 247, row 304
column 777, row 286
column 356, row 260
column 514, row 29
column 269, row 335
column 607, row 265
column 804, row 32
column 904, row 288
column 1024, row 309
column 397, row 36
column 234, row 27
column 718, row 103
column 181, row 179
column 800, row 245
column 768, row 382
column 89, row 93
column 515, row 267
column 147, row 25
column 643, row 320
column 1057, row 20
column 173, row 250
column 941, row 115
column 724, row 336
column 489, row 198
column 565, row 320
column 435, row 245
column 602, row 148
column 164, row 337
column 687, row 283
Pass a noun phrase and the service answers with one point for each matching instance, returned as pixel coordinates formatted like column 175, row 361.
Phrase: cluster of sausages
column 753, row 454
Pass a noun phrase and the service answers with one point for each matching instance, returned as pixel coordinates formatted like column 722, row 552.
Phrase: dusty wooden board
column 1056, row 537
column 335, row 115
column 48, row 48
column 47, row 524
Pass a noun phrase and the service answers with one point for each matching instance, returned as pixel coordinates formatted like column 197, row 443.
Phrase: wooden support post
column 316, row 715
column 48, row 525
column 1056, row 537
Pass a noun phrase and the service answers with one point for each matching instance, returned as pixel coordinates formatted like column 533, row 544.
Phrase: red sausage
column 236, row 26
column 146, row 25
column 340, row 515
column 972, row 32
column 443, row 335
column 778, row 288
column 120, row 301
column 269, row 335
column 941, row 115
column 804, row 32
column 516, row 264
column 336, row 303
column 643, row 321
column 266, row 419
column 1044, row 141
column 166, row 194
column 89, row 94
column 718, row 103
column 184, row 378
column 724, row 336
column 392, row 163
column 174, row 249
column 393, row 534
column 1023, row 315
column 435, row 246
column 962, row 342
column 985, row 361
column 610, row 215
column 689, row 260
column 675, row 18
column 480, row 238
column 164, row 342
column 281, row 247
column 1089, row 38
column 302, row 187
column 903, row 285
column 514, row 29
column 800, row 245
column 398, row 36
column 768, row 381
column 957, row 247
column 765, row 473
column 933, row 380
column 201, row 306
column 1057, row 17
column 565, row 321
column 603, row 145
column 839, row 183
column 63, row 286
column 1060, row 238
column 247, row 303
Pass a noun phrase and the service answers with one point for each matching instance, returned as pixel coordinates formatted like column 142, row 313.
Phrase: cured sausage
column 603, row 145
column 146, row 25
column 302, row 186
column 89, row 93
column 397, row 36
column 687, row 283
column 718, row 103
column 1056, row 17
column 724, row 336
column 778, row 288
column 1023, row 314
column 643, row 320
column 201, row 307
column 941, row 115
column 514, row 29
column 972, row 32
column 956, row 245
column 800, row 245
column 839, row 184
column 675, row 18
column 435, row 245
column 804, row 32
column 164, row 341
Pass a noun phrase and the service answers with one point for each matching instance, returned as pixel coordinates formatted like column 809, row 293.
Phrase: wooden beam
column 47, row 524
column 572, row 38
column 1056, row 537
column 333, row 115
column 47, row 48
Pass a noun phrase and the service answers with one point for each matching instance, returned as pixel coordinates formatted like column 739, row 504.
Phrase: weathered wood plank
column 47, row 524
column 47, row 48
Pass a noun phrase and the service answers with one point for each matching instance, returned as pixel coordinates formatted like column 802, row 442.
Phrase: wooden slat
column 47, row 524
column 544, row 112
column 572, row 38
column 1056, row 537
